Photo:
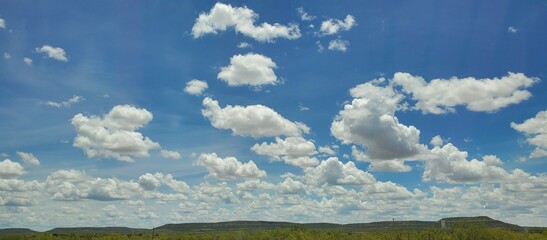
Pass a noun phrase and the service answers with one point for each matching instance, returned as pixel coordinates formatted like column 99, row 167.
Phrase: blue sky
column 153, row 112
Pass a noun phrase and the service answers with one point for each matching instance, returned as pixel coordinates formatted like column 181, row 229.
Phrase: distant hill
column 87, row 230
column 16, row 231
column 265, row 225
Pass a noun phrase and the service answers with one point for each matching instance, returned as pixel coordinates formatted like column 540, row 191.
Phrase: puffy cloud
column 229, row 167
column 27, row 60
column 114, row 135
column 242, row 19
column 333, row 26
column 449, row 164
column 369, row 121
column 480, row 95
column 9, row 169
column 334, row 172
column 2, row 23
column 29, row 159
column 73, row 100
column 170, row 154
column 111, row 189
column 249, row 69
column 293, row 150
column 536, row 130
column 338, row 45
column 112, row 211
column 389, row 166
column 149, row 182
column 53, row 52
column 16, row 185
column 304, row 15
column 254, row 120
column 195, row 87
column 290, row 186
column 255, row 184
column 436, row 141
column 327, row 150
column 178, row 186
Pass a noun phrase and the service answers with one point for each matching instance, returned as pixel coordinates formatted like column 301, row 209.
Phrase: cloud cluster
column 9, row 169
column 195, row 87
column 333, row 172
column 480, row 95
column 242, row 19
column 249, row 69
column 29, row 159
column 295, row 151
column 229, row 167
column 254, row 120
column 56, row 53
column 338, row 45
column 333, row 26
column 536, row 131
column 114, row 135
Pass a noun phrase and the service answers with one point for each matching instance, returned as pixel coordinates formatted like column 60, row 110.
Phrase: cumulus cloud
column 334, row 172
column 29, row 159
column 293, row 150
column 370, row 121
column 111, row 189
column 536, row 131
column 333, row 26
column 73, row 100
column 114, row 135
column 254, row 120
column 170, row 154
column 338, row 45
column 229, row 167
column 195, row 87
column 9, row 169
column 249, row 69
column 149, row 182
column 327, row 150
column 440, row 96
column 7, row 55
column 304, row 15
column 512, row 29
column 242, row 19
column 436, row 141
column 290, row 186
column 56, row 53
column 449, row 164
column 2, row 23
column 16, row 185
column 27, row 60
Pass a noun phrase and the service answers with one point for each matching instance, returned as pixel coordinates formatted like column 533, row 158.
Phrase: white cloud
column 436, row 141
column 249, row 69
column 149, row 182
column 28, row 61
column 195, row 87
column 56, row 53
column 254, row 120
column 449, row 164
column 512, row 29
column 229, row 167
column 304, row 15
column 536, row 131
column 333, row 26
column 480, row 95
column 242, row 19
column 327, row 150
column 295, row 151
column 114, row 135
column 29, row 159
column 178, row 186
column 334, row 172
column 244, row 45
column 289, row 186
column 338, row 45
column 16, row 185
column 9, row 169
column 73, row 100
column 170, row 154
column 111, row 189
column 2, row 23
column 7, row 55
column 369, row 121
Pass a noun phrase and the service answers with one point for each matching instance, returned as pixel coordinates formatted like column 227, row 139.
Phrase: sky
column 142, row 113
